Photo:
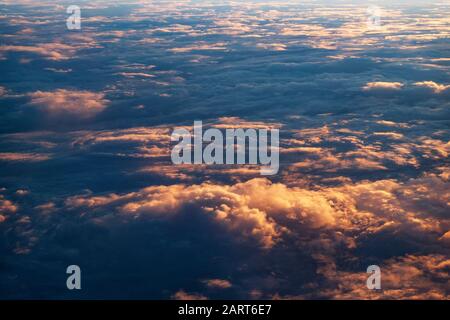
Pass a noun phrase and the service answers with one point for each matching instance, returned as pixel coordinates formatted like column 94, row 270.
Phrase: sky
column 86, row 176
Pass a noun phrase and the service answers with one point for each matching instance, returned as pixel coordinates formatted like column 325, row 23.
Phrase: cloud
column 362, row 181
column 51, row 51
column 139, row 142
column 249, row 210
column 7, row 206
column 138, row 134
column 430, row 87
column 328, row 224
column 272, row 46
column 183, row 295
column 46, row 208
column 22, row 192
column 136, row 75
column 435, row 87
column 221, row 46
column 390, row 135
column 80, row 104
column 218, row 283
column 20, row 156
column 413, row 277
column 223, row 203
column 236, row 123
column 381, row 86
column 268, row 211
column 393, row 124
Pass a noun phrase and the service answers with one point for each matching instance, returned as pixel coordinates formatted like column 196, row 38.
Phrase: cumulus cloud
column 81, row 104
column 249, row 209
column 223, row 203
column 265, row 211
column 327, row 222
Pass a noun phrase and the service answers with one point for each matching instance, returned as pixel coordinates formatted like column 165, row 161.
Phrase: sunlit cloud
column 82, row 104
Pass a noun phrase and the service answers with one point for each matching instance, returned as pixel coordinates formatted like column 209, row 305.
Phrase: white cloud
column 382, row 85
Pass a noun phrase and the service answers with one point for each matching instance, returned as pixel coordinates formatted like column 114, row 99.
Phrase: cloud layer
column 86, row 176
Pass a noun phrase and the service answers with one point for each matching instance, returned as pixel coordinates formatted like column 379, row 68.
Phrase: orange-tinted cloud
column 183, row 295
column 435, row 87
column 218, row 283
column 20, row 156
column 81, row 104
column 408, row 277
